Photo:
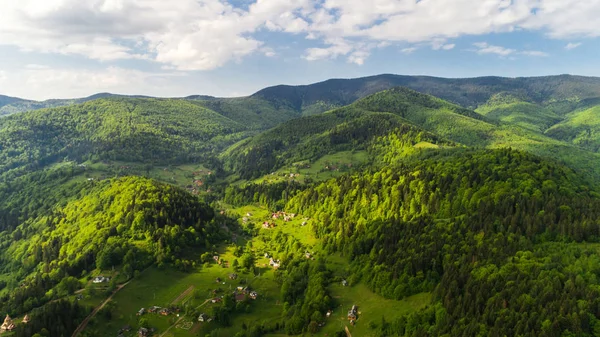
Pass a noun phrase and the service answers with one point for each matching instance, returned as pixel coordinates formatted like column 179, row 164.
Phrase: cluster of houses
column 100, row 279
column 9, row 325
column 241, row 292
column 145, row 332
column 283, row 215
column 268, row 225
column 353, row 314
column 155, row 310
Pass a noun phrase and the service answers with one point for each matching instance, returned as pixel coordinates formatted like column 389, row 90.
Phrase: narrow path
column 183, row 295
column 95, row 311
column 174, row 324
column 203, row 303
column 348, row 334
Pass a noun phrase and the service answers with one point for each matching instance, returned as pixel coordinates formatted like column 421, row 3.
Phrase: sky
column 75, row 48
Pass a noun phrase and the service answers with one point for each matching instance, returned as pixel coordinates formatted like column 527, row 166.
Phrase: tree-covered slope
column 512, row 110
column 311, row 137
column 440, row 118
column 581, row 128
column 254, row 113
column 468, row 225
column 128, row 129
column 12, row 105
column 128, row 221
column 480, row 132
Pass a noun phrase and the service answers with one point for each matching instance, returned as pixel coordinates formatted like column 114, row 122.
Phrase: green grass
column 426, row 145
column 581, row 128
column 326, row 167
column 371, row 308
column 527, row 115
column 162, row 286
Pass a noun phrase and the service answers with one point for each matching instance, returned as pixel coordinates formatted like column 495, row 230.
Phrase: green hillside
column 290, row 142
column 443, row 207
column 130, row 221
column 126, row 129
column 459, row 220
column 251, row 112
column 512, row 110
column 581, row 128
column 310, row 138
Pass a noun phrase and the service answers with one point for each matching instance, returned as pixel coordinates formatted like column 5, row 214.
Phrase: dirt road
column 95, row 311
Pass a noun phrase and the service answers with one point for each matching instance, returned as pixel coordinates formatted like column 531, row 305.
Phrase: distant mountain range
column 319, row 97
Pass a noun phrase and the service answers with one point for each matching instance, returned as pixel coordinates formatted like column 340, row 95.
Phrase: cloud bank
column 207, row 34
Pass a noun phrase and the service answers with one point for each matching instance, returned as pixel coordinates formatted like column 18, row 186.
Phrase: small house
column 216, row 300
column 25, row 319
column 100, row 279
column 233, row 276
column 141, row 312
column 328, row 314
column 240, row 297
column 352, row 313
column 218, row 280
column 8, row 324
column 274, row 263
column 164, row 312
column 253, row 295
column 344, row 283
column 143, row 332
column 203, row 318
column 216, row 258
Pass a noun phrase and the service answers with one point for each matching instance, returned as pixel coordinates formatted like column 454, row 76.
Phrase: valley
column 437, row 207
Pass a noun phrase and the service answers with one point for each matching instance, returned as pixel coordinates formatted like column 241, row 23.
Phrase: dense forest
column 465, row 224
column 132, row 222
column 134, row 130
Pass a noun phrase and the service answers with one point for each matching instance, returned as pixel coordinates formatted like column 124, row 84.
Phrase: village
column 183, row 304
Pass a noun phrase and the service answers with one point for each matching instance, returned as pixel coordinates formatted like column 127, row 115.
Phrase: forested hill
column 129, row 221
column 127, row 129
column 12, row 105
column 310, row 137
column 482, row 229
column 467, row 92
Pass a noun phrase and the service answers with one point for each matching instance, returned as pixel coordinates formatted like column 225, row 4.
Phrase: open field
column 324, row 168
column 168, row 287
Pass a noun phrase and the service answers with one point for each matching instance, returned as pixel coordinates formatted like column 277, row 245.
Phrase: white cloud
column 207, row 34
column 535, row 53
column 485, row 48
column 268, row 52
column 359, row 57
column 572, row 45
column 440, row 44
column 408, row 50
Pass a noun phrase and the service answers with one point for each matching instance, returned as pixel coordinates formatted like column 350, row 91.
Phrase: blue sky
column 73, row 48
